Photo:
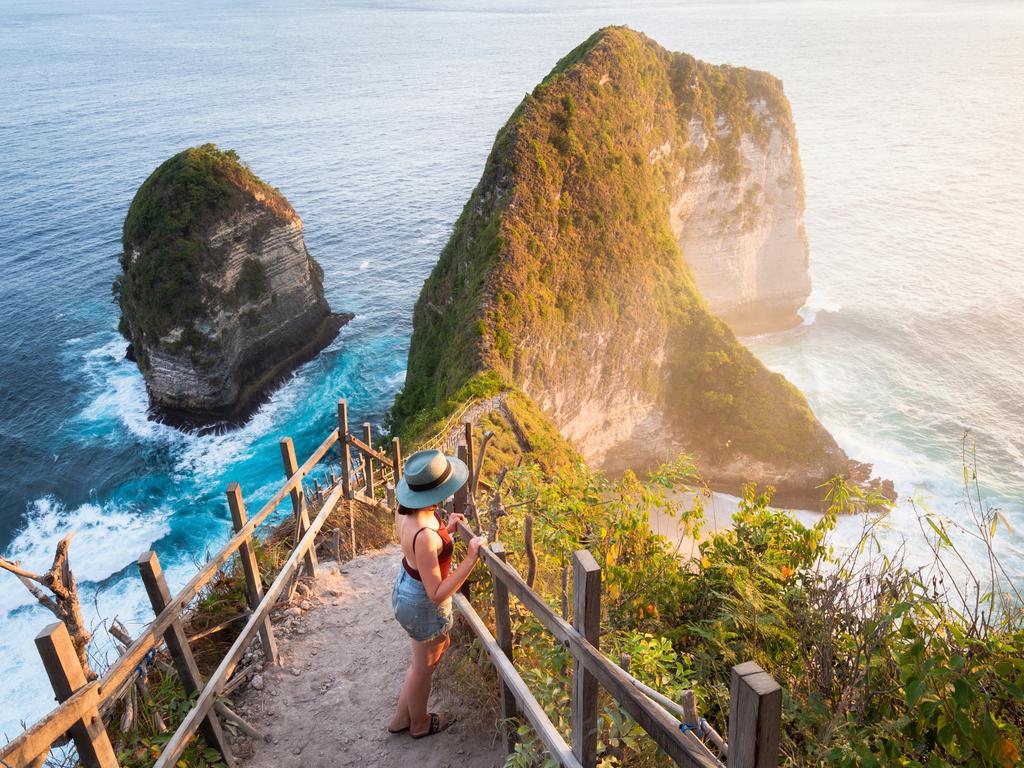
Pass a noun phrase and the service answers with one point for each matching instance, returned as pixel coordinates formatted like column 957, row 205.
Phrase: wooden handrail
column 207, row 698
column 370, row 451
column 37, row 739
column 755, row 698
column 658, row 723
column 528, row 703
column 440, row 436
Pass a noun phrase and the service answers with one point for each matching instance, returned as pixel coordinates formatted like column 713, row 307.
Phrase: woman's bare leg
column 425, row 658
column 401, row 717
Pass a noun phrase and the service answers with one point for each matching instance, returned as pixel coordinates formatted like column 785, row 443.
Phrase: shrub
column 881, row 663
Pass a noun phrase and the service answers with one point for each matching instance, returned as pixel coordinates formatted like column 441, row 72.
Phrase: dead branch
column 64, row 605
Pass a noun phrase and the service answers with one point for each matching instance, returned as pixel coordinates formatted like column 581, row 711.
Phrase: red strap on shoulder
column 421, row 530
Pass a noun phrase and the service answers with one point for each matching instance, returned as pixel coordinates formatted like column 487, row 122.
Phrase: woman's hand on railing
column 453, row 521
column 474, row 546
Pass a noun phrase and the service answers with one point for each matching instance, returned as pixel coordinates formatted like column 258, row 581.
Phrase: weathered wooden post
column 503, row 630
column 352, row 525
column 531, row 556
column 565, row 591
column 291, row 467
column 465, row 590
column 586, row 619
column 462, row 495
column 396, row 456
column 251, row 570
column 389, row 496
column 468, row 427
column 60, row 659
column 371, row 485
column 346, row 456
column 755, row 717
column 181, row 653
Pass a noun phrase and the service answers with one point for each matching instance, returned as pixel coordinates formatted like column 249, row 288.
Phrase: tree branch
column 15, row 568
column 39, row 595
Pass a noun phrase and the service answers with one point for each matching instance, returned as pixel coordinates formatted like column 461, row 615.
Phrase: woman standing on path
column 422, row 597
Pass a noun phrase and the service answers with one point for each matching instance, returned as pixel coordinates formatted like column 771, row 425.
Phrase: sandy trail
column 329, row 702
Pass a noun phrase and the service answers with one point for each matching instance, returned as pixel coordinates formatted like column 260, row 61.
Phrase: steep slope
column 564, row 275
column 219, row 296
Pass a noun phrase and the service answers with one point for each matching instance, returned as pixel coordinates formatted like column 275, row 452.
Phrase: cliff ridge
column 575, row 270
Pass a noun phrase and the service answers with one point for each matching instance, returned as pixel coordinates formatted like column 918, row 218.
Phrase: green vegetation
column 252, row 282
column 881, row 663
column 566, row 247
column 166, row 250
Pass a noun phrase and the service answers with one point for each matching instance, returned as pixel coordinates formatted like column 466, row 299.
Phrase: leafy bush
column 881, row 663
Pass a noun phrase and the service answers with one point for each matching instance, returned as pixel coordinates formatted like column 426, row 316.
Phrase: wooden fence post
column 253, row 582
column 346, row 455
column 371, row 486
column 755, row 717
column 462, row 495
column 389, row 496
column 531, row 556
column 291, row 466
column 586, row 619
column 66, row 676
column 503, row 632
column 181, row 653
column 468, row 427
column 396, row 456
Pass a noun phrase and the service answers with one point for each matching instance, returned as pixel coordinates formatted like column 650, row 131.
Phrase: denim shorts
column 420, row 617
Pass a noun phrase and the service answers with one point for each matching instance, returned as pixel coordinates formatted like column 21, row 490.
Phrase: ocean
column 375, row 119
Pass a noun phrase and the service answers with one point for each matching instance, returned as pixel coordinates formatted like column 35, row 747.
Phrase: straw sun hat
column 430, row 477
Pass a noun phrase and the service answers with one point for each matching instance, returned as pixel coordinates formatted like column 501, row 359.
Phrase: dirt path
column 342, row 664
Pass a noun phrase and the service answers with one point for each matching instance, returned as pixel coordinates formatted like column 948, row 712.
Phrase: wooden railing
column 81, row 701
column 755, row 699
column 755, row 706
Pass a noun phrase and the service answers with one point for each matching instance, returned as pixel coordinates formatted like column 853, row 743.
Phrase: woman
column 422, row 597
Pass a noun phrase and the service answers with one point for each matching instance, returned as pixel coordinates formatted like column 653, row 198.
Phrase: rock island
column 219, row 298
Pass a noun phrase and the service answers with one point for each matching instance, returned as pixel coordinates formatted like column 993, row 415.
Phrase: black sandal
column 436, row 725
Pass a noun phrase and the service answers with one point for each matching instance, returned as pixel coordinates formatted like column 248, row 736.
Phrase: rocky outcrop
column 220, row 298
column 744, row 237
column 631, row 197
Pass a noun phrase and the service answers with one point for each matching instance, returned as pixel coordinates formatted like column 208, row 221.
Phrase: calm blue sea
column 375, row 120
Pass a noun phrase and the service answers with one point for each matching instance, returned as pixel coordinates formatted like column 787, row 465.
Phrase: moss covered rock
column 565, row 274
column 219, row 297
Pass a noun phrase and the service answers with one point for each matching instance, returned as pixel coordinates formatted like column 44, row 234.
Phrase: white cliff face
column 609, row 406
column 744, row 240
column 267, row 312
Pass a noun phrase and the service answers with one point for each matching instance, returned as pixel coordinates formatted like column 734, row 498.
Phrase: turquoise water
column 375, row 121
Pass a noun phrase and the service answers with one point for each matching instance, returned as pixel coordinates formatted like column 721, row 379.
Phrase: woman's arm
column 430, row 570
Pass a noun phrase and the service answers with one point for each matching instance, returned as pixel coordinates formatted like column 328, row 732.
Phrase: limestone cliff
column 629, row 178
column 742, row 230
column 219, row 297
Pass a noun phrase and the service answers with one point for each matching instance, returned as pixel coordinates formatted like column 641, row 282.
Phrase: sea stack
column 636, row 203
column 219, row 298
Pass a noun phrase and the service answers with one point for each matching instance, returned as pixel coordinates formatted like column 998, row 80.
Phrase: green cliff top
column 164, row 237
column 566, row 246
